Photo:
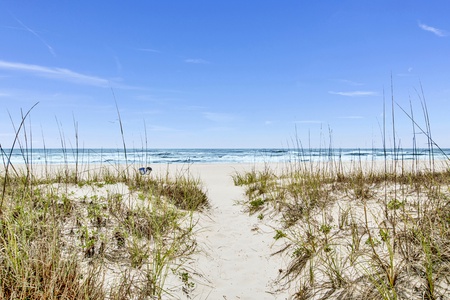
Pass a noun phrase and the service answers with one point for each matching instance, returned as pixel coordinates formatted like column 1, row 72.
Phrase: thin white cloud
column 25, row 27
column 118, row 63
column 56, row 73
column 354, row 93
column 436, row 31
column 196, row 61
column 218, row 117
column 350, row 82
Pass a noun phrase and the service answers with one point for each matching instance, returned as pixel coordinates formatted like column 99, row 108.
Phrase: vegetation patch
column 360, row 233
column 96, row 236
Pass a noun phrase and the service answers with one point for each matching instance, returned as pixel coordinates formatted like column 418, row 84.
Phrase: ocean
column 169, row 156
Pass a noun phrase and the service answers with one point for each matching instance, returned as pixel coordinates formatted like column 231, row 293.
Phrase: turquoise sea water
column 167, row 156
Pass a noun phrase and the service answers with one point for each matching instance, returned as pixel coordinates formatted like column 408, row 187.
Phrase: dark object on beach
column 145, row 171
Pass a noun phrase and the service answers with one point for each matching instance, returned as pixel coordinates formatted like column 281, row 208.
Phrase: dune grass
column 358, row 234
column 94, row 232
column 361, row 229
column 106, row 236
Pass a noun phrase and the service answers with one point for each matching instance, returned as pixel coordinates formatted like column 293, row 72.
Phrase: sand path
column 236, row 261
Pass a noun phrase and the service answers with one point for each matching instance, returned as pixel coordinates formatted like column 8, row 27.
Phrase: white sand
column 236, row 261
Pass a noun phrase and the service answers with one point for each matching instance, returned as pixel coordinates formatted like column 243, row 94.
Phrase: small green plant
column 325, row 228
column 256, row 205
column 395, row 204
column 96, row 214
column 279, row 234
column 188, row 285
column 67, row 205
column 88, row 240
column 141, row 196
column 138, row 254
column 384, row 234
column 99, row 184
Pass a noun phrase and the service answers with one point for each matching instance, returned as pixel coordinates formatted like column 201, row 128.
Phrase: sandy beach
column 235, row 259
column 236, row 254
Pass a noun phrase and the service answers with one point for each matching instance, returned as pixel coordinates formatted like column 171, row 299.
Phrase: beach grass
column 359, row 229
column 95, row 236
column 104, row 236
column 363, row 233
column 93, row 231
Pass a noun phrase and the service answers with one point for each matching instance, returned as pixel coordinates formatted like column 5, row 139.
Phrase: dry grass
column 101, row 235
column 360, row 233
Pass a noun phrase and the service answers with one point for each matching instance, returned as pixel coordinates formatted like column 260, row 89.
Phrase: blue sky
column 188, row 74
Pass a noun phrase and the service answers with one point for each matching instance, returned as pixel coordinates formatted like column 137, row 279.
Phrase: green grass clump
column 61, row 234
column 184, row 193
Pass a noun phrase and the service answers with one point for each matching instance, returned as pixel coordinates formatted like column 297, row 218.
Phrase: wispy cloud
column 25, row 27
column 56, row 73
column 350, row 82
column 218, row 117
column 196, row 61
column 354, row 93
column 436, row 31
column 118, row 63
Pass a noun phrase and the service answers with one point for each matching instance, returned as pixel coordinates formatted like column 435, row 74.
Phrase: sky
column 224, row 74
